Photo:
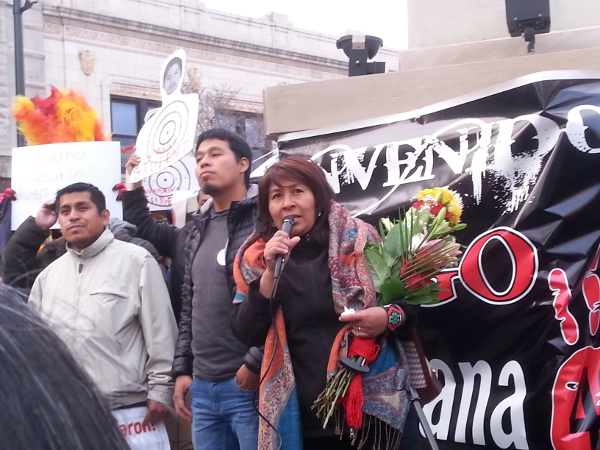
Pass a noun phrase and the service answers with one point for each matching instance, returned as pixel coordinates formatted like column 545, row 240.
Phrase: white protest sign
column 138, row 436
column 38, row 171
column 168, row 133
column 161, row 186
column 184, row 202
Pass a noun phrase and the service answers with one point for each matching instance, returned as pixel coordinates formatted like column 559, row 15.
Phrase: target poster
column 168, row 134
column 38, row 171
column 516, row 339
column 160, row 186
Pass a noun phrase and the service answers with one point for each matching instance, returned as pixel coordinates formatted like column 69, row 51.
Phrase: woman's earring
column 319, row 215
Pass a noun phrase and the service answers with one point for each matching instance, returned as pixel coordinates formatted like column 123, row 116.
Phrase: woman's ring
column 359, row 328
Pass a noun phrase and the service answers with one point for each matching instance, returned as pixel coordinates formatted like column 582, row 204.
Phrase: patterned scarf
column 352, row 287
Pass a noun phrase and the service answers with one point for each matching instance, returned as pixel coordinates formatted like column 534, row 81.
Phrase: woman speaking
column 297, row 315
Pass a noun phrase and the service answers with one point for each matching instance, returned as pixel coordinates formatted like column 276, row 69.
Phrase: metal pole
column 19, row 57
column 403, row 380
column 415, row 401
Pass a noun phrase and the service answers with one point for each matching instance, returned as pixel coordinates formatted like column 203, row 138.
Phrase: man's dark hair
column 96, row 194
column 237, row 144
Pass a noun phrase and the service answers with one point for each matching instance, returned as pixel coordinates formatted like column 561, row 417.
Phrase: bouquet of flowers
column 413, row 250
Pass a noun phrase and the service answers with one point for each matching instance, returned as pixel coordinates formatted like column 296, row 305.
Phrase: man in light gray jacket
column 108, row 301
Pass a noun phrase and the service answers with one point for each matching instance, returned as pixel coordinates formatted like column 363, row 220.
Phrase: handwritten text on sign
column 39, row 171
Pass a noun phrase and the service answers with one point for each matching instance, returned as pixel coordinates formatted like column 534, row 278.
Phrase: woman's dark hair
column 48, row 401
column 307, row 172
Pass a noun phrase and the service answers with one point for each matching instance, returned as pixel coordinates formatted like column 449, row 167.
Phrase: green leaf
column 382, row 231
column 405, row 237
column 385, row 255
column 395, row 271
column 437, row 289
column 379, row 269
column 424, row 290
column 392, row 289
column 413, row 220
column 441, row 215
column 407, row 234
column 422, row 299
column 389, row 259
column 392, row 239
column 437, row 224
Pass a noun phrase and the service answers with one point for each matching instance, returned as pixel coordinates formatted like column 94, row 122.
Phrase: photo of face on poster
column 168, row 132
column 172, row 74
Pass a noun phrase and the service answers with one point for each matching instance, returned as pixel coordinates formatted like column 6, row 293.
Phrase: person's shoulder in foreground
column 48, row 401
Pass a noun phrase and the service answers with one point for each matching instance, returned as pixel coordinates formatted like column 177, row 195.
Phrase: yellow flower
column 440, row 195
column 424, row 194
column 454, row 208
column 446, row 198
column 445, row 195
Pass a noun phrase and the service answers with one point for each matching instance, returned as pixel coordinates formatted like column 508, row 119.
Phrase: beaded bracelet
column 395, row 316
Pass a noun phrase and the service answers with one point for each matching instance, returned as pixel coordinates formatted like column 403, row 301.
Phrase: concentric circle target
column 159, row 187
column 168, row 131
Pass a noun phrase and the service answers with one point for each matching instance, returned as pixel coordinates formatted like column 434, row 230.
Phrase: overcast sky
column 382, row 18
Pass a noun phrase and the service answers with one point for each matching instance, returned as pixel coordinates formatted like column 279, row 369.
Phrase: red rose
column 417, row 282
column 410, row 277
column 435, row 209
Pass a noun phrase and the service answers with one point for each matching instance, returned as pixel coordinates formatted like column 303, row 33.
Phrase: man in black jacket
column 209, row 360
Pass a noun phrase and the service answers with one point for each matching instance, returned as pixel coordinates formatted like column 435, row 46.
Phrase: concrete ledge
column 321, row 104
column 494, row 49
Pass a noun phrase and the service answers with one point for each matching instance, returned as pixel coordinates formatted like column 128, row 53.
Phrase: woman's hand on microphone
column 279, row 245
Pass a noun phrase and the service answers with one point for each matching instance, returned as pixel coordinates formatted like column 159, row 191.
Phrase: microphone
column 288, row 224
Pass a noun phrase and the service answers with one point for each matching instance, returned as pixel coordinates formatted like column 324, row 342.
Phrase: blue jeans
column 224, row 417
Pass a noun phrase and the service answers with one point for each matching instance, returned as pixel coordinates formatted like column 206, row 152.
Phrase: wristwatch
column 395, row 316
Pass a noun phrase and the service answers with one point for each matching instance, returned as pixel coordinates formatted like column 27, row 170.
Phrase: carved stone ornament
column 195, row 78
column 130, row 43
column 86, row 58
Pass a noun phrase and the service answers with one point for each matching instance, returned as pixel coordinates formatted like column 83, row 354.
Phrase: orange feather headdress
column 65, row 116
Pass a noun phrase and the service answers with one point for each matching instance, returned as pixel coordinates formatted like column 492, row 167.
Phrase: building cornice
column 90, row 21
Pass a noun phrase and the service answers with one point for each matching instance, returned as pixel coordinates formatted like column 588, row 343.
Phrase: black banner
column 515, row 340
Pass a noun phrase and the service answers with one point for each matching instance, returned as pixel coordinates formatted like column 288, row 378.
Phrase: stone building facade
column 112, row 51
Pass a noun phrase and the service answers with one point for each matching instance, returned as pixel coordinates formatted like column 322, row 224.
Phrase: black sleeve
column 253, row 359
column 20, row 265
column 252, row 318
column 183, row 359
column 162, row 235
